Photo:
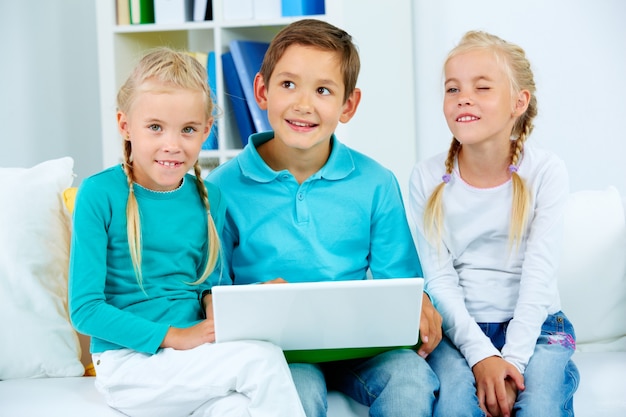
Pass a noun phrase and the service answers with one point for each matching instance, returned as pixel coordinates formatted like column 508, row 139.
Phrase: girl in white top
column 489, row 216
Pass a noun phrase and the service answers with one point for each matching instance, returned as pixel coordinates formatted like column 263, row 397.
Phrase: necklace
column 163, row 192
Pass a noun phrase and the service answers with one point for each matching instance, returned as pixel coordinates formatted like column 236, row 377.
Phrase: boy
column 303, row 207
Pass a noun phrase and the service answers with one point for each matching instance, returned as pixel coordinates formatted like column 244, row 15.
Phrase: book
column 267, row 9
column 237, row 100
column 141, row 11
column 237, row 10
column 201, row 57
column 122, row 10
column 248, row 57
column 211, row 141
column 202, row 10
column 173, row 11
column 207, row 59
column 303, row 7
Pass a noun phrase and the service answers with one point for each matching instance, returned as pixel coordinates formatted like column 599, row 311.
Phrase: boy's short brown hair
column 318, row 34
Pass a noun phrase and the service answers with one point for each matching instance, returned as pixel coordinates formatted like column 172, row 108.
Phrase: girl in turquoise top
column 145, row 249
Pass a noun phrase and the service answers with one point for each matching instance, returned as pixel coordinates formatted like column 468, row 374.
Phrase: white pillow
column 592, row 276
column 37, row 338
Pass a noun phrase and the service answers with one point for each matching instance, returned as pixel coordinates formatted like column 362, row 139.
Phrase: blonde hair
column 177, row 69
column 517, row 69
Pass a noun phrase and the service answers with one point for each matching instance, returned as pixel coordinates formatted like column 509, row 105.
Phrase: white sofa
column 40, row 355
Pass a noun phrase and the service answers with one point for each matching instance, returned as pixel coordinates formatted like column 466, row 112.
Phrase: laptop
column 340, row 317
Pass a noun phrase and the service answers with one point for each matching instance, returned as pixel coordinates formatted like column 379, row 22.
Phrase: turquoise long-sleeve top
column 105, row 300
column 343, row 221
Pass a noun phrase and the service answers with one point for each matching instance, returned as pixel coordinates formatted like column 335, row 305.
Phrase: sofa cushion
column 37, row 338
column 592, row 276
column 601, row 389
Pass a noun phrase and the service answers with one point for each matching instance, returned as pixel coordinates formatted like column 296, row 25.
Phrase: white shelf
column 119, row 48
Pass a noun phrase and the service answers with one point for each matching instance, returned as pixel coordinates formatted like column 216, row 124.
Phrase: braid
column 521, row 194
column 133, row 220
column 452, row 153
column 433, row 213
column 213, row 241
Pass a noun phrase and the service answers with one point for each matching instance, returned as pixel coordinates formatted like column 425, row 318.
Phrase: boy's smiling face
column 305, row 98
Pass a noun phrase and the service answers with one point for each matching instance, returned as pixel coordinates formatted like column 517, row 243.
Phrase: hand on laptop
column 190, row 337
column 430, row 327
column 275, row 281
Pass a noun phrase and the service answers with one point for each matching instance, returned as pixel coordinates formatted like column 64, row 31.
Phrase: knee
column 404, row 366
column 256, row 348
column 261, row 353
column 403, row 360
column 549, row 394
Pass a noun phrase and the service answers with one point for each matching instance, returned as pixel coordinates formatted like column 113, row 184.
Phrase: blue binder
column 238, row 103
column 211, row 141
column 248, row 57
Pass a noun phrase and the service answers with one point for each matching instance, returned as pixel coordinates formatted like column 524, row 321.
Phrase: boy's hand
column 430, row 327
column 497, row 383
column 275, row 281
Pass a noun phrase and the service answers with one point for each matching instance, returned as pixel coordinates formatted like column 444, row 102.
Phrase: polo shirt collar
column 338, row 166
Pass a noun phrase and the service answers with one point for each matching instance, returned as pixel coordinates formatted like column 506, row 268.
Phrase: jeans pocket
column 558, row 330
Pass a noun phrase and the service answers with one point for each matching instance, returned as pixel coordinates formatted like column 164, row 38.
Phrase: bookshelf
column 119, row 48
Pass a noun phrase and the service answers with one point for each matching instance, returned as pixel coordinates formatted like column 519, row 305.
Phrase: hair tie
column 446, row 178
column 512, row 168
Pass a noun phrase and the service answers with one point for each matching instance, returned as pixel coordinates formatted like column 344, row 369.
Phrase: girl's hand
column 497, row 383
column 190, row 337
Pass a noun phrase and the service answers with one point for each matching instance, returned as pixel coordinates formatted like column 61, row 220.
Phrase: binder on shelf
column 267, row 9
column 238, row 10
column 248, row 57
column 237, row 100
column 141, row 11
column 303, row 7
column 202, row 10
column 173, row 11
column 211, row 141
column 122, row 11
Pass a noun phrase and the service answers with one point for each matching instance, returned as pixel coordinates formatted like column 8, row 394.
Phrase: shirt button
column 300, row 196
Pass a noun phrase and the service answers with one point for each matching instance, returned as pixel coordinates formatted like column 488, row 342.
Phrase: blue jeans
column 551, row 378
column 396, row 383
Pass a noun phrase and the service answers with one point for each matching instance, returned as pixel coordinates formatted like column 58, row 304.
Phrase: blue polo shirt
column 343, row 220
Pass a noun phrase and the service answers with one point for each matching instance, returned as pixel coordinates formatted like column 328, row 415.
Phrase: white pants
column 247, row 378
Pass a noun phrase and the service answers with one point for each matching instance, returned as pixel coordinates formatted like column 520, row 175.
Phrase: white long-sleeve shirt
column 473, row 275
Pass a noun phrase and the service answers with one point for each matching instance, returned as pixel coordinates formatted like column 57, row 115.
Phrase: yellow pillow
column 69, row 197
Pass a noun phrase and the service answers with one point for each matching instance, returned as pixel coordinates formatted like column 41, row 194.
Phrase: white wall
column 49, row 100
column 578, row 52
column 49, row 83
column 383, row 126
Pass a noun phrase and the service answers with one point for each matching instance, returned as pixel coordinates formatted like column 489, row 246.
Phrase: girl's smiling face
column 166, row 126
column 479, row 104
column 305, row 98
